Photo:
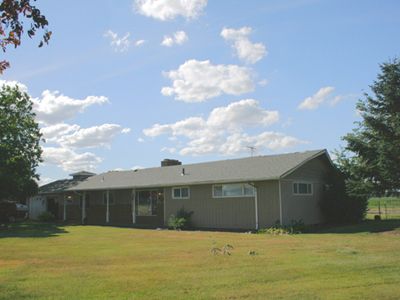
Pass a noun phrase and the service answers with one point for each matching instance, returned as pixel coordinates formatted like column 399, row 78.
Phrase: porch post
column 108, row 206
column 83, row 207
column 65, row 208
column 133, row 206
column 256, row 205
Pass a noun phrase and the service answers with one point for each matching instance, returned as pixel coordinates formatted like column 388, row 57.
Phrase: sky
column 124, row 84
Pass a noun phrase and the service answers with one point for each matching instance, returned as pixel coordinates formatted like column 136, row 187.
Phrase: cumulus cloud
column 92, row 137
column 224, row 131
column 53, row 133
column 317, row 99
column 178, row 38
column 53, row 107
column 70, row 160
column 170, row 9
column 244, row 48
column 197, row 81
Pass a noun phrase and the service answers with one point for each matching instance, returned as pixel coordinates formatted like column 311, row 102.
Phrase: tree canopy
column 20, row 152
column 371, row 158
column 13, row 14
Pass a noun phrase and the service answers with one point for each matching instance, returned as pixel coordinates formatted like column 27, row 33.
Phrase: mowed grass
column 39, row 261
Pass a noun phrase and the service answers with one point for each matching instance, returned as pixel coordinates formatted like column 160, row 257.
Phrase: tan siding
column 236, row 213
column 318, row 172
column 268, row 203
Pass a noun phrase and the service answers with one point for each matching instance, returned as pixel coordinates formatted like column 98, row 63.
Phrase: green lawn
column 91, row 262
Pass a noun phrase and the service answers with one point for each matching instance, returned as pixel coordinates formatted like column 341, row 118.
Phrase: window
column 302, row 188
column 233, row 190
column 147, row 203
column 180, row 193
column 111, row 198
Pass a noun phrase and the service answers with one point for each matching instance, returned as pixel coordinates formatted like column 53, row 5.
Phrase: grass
column 39, row 261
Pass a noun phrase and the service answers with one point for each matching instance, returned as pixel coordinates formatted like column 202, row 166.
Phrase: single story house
column 246, row 193
column 53, row 195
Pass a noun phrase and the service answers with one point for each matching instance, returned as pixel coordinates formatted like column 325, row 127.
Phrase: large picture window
column 233, row 190
column 302, row 188
column 147, row 203
column 180, row 193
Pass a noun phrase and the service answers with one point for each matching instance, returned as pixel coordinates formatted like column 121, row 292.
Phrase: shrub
column 182, row 219
column 176, row 223
column 46, row 217
column 8, row 211
column 338, row 206
column 296, row 227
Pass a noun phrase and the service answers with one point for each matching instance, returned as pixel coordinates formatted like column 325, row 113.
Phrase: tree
column 20, row 152
column 371, row 158
column 13, row 14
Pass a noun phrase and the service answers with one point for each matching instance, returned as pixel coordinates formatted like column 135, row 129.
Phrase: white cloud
column 95, row 136
column 69, row 160
column 223, row 131
column 122, row 44
column 53, row 107
column 119, row 44
column 245, row 49
column 170, row 9
column 197, row 81
column 317, row 99
column 139, row 42
column 178, row 38
column 53, row 132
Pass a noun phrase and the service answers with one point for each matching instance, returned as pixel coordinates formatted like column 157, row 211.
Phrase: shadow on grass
column 367, row 226
column 32, row 229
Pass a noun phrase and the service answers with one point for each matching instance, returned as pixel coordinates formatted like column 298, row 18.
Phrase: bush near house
column 182, row 219
column 339, row 207
column 46, row 217
column 8, row 211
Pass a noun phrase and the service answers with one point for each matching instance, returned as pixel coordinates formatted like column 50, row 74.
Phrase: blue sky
column 125, row 83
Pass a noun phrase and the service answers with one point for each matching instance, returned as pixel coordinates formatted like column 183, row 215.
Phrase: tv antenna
column 252, row 150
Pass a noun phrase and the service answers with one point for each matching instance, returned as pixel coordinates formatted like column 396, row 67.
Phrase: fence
column 387, row 207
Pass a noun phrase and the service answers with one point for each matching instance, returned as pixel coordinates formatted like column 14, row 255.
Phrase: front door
column 52, row 207
column 149, row 207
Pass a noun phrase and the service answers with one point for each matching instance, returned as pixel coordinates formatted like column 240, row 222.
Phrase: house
column 246, row 193
column 52, row 196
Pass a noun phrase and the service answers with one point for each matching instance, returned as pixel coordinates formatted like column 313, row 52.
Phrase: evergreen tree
column 373, row 166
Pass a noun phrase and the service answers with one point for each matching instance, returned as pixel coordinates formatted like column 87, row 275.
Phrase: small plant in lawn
column 46, row 217
column 225, row 250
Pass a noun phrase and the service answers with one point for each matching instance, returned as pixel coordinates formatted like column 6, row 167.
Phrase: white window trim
column 180, row 187
column 239, row 196
column 303, row 182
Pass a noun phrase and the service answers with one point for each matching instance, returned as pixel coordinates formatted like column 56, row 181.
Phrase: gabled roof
column 235, row 170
